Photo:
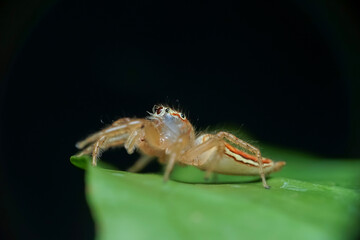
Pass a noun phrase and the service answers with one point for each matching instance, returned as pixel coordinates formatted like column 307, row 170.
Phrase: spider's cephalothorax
column 171, row 126
column 168, row 135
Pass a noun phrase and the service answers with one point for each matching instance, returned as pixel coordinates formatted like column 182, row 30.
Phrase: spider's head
column 169, row 120
column 167, row 112
column 170, row 124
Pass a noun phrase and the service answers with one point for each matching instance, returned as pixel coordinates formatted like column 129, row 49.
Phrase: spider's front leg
column 123, row 131
column 112, row 142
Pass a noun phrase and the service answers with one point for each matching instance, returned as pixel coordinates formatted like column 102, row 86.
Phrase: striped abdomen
column 236, row 162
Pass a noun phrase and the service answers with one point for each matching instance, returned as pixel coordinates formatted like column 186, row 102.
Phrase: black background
column 286, row 71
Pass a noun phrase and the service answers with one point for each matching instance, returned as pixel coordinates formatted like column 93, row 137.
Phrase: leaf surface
column 311, row 198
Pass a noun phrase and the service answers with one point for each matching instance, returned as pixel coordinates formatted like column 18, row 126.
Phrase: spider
column 168, row 135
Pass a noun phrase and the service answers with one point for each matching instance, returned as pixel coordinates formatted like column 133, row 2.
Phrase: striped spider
column 168, row 135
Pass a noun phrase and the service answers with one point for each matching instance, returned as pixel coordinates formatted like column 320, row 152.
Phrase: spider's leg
column 140, row 163
column 87, row 151
column 213, row 159
column 115, row 135
column 169, row 166
column 248, row 147
column 105, row 143
column 173, row 154
column 131, row 141
column 116, row 141
column 97, row 149
column 123, row 125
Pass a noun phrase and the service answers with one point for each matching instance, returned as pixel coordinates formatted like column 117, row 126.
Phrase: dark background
column 286, row 71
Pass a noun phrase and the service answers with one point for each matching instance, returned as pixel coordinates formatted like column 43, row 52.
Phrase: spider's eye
column 182, row 116
column 167, row 110
column 158, row 110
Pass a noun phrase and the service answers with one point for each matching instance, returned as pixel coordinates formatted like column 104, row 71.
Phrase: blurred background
column 285, row 71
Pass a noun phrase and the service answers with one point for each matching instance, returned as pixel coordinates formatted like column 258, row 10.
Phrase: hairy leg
column 107, row 141
column 215, row 160
column 131, row 141
column 121, row 126
column 248, row 147
column 212, row 160
column 169, row 166
column 173, row 154
column 116, row 141
column 97, row 149
column 140, row 163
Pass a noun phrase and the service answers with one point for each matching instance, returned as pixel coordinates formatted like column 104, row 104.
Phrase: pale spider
column 168, row 135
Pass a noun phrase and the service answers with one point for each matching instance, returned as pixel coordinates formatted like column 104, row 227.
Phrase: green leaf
column 311, row 198
column 80, row 161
